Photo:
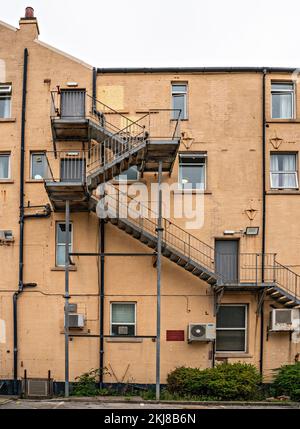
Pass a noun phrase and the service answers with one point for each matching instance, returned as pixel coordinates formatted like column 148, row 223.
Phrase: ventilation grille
column 283, row 316
column 41, row 388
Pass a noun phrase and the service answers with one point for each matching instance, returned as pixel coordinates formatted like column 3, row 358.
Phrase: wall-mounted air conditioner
column 76, row 321
column 6, row 236
column 282, row 319
column 201, row 332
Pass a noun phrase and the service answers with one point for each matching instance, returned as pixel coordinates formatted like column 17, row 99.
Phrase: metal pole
column 159, row 230
column 67, row 297
column 102, row 296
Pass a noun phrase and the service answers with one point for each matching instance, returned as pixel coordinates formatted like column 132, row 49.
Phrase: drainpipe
column 94, row 93
column 21, row 222
column 263, row 249
column 102, row 294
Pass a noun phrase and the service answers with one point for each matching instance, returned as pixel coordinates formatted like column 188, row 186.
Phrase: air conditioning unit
column 37, row 387
column 76, row 321
column 281, row 319
column 201, row 332
column 6, row 236
column 122, row 330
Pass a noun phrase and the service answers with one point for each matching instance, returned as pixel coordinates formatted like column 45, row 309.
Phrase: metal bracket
column 218, row 295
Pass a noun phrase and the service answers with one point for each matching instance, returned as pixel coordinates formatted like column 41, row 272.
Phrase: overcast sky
column 152, row 33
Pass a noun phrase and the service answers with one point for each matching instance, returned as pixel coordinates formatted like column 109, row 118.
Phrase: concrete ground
column 129, row 403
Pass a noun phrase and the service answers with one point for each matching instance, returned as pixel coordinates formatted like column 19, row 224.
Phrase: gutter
column 196, row 70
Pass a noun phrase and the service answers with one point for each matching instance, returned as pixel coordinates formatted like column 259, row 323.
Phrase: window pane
column 285, row 86
column 5, row 107
column 282, row 106
column 61, row 233
column 231, row 316
column 123, row 313
column 193, row 174
column 129, row 328
column 4, row 166
column 232, row 341
column 178, row 88
column 38, row 167
column 179, row 103
column 283, row 162
column 130, row 174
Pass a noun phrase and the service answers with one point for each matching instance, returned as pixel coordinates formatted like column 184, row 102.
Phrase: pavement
column 132, row 403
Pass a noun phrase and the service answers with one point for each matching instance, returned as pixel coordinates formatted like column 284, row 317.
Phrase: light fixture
column 228, row 232
column 252, row 230
column 72, row 84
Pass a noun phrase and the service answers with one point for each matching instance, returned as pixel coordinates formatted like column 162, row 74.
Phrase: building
column 233, row 131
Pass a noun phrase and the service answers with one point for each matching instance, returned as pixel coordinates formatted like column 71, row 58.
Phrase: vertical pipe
column 102, row 294
column 263, row 250
column 94, row 89
column 159, row 230
column 67, row 297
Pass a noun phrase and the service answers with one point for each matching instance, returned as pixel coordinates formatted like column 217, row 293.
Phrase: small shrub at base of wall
column 287, row 381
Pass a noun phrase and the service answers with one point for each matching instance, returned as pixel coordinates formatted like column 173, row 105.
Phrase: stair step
column 166, row 252
column 129, row 230
column 181, row 262
column 114, row 220
column 204, row 276
column 283, row 298
column 136, row 234
column 121, row 224
column 151, row 244
column 143, row 239
column 212, row 280
column 189, row 267
column 174, row 258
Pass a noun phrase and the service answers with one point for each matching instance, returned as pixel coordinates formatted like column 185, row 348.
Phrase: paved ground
column 98, row 404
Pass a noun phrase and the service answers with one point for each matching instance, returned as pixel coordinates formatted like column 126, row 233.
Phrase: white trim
column 282, row 91
column 191, row 155
column 31, row 163
column 62, row 244
column 8, row 26
column 111, row 323
column 185, row 93
column 64, row 54
column 9, row 165
column 236, row 329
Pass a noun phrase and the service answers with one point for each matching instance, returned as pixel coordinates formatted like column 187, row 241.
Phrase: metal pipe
column 196, row 70
column 94, row 89
column 263, row 249
column 102, row 295
column 159, row 230
column 67, row 297
column 21, row 222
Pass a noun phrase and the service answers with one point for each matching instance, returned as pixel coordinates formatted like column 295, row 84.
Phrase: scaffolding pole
column 159, row 230
column 67, row 297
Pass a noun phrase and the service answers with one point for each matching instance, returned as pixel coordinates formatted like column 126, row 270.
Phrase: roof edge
column 196, row 70
column 10, row 27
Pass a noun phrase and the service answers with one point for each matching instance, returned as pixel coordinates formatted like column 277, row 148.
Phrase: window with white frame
column 123, row 318
column 4, row 165
column 283, row 171
column 61, row 243
column 283, row 100
column 38, row 166
column 129, row 175
column 231, row 328
column 5, row 101
column 192, row 171
column 179, row 100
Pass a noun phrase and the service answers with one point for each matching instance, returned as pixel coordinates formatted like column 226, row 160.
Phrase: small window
column 283, row 96
column 283, row 171
column 192, row 171
column 4, row 165
column 179, row 101
column 129, row 175
column 231, row 328
column 5, row 101
column 123, row 318
column 61, row 243
column 38, row 166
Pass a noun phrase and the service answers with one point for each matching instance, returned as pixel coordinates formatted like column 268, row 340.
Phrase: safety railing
column 66, row 166
column 287, row 279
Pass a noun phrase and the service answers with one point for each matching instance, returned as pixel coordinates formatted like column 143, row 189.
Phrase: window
column 130, row 174
column 123, row 318
column 192, row 171
column 231, row 328
column 282, row 100
column 5, row 101
column 61, row 243
column 283, row 171
column 179, row 100
column 38, row 166
column 4, row 165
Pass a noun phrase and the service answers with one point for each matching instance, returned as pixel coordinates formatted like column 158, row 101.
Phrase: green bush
column 237, row 381
column 86, row 384
column 287, row 381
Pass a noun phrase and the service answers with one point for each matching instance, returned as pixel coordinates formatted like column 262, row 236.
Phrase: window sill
column 282, row 121
column 7, row 119
column 124, row 340
column 129, row 182
column 35, row 181
column 191, row 191
column 71, row 268
column 233, row 355
column 9, row 181
column 283, row 192
column 181, row 120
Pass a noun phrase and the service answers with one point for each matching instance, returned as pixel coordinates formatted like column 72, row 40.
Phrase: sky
column 168, row 33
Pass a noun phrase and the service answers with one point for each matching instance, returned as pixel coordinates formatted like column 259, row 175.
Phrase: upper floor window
column 5, row 101
column 61, row 243
column 4, row 165
column 283, row 100
column 123, row 318
column 38, row 166
column 283, row 171
column 179, row 100
column 231, row 328
column 131, row 174
column 192, row 171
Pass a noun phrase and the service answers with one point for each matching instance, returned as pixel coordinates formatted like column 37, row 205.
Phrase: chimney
column 29, row 25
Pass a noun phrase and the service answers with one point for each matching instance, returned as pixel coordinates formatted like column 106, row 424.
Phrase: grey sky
column 152, row 33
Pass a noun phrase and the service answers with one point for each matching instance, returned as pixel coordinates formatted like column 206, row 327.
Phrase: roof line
column 195, row 70
column 10, row 27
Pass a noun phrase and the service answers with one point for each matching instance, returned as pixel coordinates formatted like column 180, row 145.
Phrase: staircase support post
column 67, row 297
column 159, row 230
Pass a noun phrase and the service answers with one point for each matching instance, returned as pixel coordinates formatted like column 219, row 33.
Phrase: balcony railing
column 66, row 166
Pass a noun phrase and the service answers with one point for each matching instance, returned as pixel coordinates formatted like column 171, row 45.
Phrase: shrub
column 87, row 384
column 237, row 381
column 287, row 381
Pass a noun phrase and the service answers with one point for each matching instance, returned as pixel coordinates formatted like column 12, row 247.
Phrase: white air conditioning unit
column 6, row 236
column 76, row 321
column 281, row 319
column 201, row 332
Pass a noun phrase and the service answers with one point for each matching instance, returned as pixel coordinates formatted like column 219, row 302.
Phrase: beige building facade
column 236, row 147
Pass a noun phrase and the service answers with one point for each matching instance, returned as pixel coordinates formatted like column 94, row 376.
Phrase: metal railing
column 287, row 279
column 66, row 166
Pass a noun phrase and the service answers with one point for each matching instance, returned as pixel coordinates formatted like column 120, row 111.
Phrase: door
column 226, row 260
column 72, row 170
column 72, row 103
